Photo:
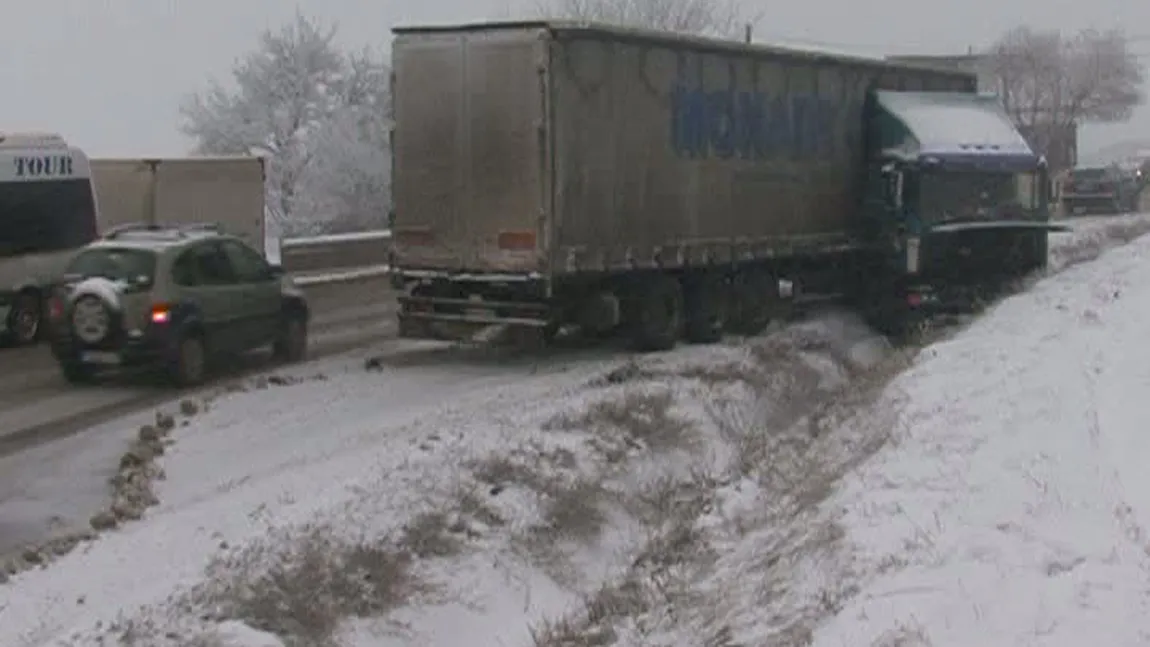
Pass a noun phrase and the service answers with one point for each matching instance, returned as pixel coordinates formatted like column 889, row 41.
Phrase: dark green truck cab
column 958, row 199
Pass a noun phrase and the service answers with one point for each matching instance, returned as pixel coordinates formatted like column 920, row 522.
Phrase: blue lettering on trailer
column 751, row 125
column 43, row 166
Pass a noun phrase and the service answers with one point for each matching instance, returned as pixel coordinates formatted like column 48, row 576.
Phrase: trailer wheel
column 754, row 300
column 656, row 313
column 705, row 300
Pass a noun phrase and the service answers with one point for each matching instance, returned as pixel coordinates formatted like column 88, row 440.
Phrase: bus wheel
column 25, row 318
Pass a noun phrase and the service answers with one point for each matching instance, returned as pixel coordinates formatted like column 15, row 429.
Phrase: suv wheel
column 189, row 366
column 92, row 320
column 292, row 343
column 25, row 318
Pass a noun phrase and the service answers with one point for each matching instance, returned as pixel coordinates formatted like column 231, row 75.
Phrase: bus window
column 44, row 216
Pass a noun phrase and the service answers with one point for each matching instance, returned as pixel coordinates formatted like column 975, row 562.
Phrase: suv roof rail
column 182, row 229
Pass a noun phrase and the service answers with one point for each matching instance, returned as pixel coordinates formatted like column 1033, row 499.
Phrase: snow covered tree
column 349, row 183
column 297, row 100
column 723, row 18
column 1050, row 82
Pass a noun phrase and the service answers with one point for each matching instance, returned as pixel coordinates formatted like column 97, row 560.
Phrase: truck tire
column 753, row 299
column 705, row 302
column 656, row 313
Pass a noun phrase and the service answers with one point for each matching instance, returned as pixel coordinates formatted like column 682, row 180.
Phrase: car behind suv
column 173, row 299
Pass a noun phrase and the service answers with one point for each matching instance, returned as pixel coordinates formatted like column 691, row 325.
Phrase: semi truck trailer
column 550, row 173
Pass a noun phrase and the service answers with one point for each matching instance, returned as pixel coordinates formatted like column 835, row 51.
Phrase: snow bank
column 522, row 488
column 1014, row 509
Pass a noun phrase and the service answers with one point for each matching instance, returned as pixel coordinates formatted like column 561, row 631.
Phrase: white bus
column 47, row 210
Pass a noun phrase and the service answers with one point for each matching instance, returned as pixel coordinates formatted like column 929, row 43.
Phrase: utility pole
column 747, row 33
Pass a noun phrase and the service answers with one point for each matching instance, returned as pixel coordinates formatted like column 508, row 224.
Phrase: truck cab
column 962, row 200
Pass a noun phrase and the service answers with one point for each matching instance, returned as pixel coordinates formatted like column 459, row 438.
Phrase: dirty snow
column 1002, row 505
column 375, row 449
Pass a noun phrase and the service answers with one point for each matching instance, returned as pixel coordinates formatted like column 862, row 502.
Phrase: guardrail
column 336, row 258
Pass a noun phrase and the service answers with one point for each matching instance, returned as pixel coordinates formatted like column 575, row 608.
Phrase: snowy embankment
column 763, row 491
column 480, row 514
column 1013, row 508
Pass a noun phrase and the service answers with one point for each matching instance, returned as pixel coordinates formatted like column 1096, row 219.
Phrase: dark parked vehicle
column 172, row 298
column 1101, row 189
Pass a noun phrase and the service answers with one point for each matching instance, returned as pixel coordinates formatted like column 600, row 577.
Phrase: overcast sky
column 110, row 74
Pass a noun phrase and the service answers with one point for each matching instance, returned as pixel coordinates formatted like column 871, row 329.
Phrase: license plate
column 99, row 357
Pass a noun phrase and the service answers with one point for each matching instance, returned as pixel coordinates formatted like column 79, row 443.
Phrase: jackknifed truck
column 670, row 186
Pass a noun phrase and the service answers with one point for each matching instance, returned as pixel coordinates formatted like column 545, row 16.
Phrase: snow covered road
column 52, row 480
column 493, row 444
column 36, row 404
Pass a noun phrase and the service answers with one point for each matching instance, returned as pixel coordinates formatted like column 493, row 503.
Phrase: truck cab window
column 972, row 195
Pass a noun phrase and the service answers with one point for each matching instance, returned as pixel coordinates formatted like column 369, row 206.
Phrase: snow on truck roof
column 955, row 124
column 619, row 32
column 31, row 140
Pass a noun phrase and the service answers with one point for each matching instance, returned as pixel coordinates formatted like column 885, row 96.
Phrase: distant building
column 1061, row 145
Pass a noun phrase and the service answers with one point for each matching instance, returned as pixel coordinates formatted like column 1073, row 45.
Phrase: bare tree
column 287, row 100
column 1049, row 82
column 722, row 18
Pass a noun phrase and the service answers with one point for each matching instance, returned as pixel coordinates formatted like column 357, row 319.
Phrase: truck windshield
column 961, row 196
column 48, row 216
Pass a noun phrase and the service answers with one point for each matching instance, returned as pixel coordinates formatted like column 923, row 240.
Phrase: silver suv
column 174, row 298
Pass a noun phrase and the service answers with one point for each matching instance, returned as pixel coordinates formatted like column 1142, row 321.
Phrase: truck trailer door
column 470, row 150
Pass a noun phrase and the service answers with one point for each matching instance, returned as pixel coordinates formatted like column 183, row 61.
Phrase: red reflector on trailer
column 516, row 240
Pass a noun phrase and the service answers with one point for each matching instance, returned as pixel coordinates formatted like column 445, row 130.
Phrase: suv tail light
column 55, row 308
column 161, row 313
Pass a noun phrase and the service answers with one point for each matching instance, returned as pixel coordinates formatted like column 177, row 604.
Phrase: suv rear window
column 136, row 267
